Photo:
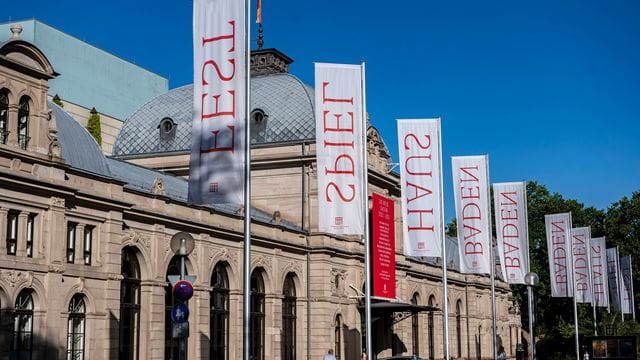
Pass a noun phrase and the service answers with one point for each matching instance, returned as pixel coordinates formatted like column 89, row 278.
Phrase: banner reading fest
column 599, row 272
column 510, row 202
column 383, row 248
column 473, row 213
column 558, row 229
column 581, row 268
column 339, row 148
column 421, row 184
column 216, row 166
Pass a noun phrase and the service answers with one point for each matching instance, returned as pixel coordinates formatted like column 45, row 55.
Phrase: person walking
column 329, row 355
column 502, row 355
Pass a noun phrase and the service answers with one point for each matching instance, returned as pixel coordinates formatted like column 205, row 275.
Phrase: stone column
column 54, row 234
column 79, row 245
column 21, row 244
column 3, row 230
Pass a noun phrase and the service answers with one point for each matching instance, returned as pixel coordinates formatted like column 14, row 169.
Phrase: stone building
column 84, row 239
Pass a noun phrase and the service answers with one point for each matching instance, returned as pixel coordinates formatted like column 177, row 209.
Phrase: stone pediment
column 26, row 57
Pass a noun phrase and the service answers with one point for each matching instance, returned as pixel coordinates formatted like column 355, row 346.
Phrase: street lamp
column 531, row 279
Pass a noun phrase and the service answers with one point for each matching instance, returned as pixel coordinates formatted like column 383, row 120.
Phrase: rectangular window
column 71, row 241
column 88, row 237
column 12, row 231
column 30, row 231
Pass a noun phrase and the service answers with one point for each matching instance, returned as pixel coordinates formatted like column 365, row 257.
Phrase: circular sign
column 183, row 290
column 180, row 313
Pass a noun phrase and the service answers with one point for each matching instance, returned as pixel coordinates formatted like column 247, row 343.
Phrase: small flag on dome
column 259, row 13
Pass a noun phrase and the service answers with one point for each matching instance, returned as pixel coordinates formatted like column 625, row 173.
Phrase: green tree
column 93, row 125
column 58, row 101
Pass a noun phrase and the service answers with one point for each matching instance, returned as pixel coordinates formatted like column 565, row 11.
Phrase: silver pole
column 445, row 294
column 247, row 186
column 365, row 208
column 182, row 341
column 633, row 305
column 575, row 322
column 531, row 322
column 492, row 264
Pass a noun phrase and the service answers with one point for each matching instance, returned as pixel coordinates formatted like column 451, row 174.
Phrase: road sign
column 173, row 279
column 183, row 290
column 180, row 313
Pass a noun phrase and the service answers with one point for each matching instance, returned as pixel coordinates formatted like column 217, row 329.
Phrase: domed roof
column 287, row 103
column 78, row 148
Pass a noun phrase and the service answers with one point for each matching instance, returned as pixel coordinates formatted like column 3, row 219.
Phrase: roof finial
column 260, row 36
column 16, row 29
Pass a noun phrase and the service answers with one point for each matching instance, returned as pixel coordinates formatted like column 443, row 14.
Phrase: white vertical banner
column 625, row 274
column 473, row 213
column 614, row 278
column 510, row 207
column 581, row 268
column 216, row 168
column 421, row 180
column 558, row 231
column 599, row 279
column 339, row 148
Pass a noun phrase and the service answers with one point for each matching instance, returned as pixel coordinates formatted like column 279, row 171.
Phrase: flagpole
column 573, row 289
column 445, row 295
column 365, row 209
column 247, row 185
column 633, row 305
column 492, row 264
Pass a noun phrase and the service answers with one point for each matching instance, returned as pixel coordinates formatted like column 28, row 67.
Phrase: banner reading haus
column 558, row 229
column 216, row 166
column 581, row 268
column 599, row 272
column 421, row 184
column 510, row 204
column 473, row 213
column 339, row 148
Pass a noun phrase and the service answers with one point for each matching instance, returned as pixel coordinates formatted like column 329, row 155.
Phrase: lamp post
column 531, row 279
column 182, row 245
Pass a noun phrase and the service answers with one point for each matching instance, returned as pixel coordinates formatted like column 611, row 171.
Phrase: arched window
column 256, row 316
column 289, row 318
column 459, row 327
column 430, row 325
column 337, row 341
column 22, row 339
column 76, row 328
column 415, row 327
column 219, row 315
column 170, row 344
column 23, row 122
column 129, row 306
column 4, row 116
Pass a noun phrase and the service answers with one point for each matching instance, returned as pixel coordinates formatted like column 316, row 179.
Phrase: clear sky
column 549, row 89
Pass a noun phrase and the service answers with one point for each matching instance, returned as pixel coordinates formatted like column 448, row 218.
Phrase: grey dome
column 286, row 101
column 79, row 149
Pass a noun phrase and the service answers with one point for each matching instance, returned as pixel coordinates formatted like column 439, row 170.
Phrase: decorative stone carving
column 292, row 266
column 260, row 261
column 14, row 277
column 338, row 281
column 158, row 187
column 276, row 217
column 15, row 164
column 56, row 202
column 56, row 268
column 134, row 237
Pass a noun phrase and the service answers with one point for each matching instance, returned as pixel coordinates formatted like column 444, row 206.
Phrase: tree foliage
column 58, row 101
column 93, row 125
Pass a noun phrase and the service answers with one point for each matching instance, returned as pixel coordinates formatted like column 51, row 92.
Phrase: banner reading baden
column 473, row 213
column 583, row 290
column 216, row 173
column 339, row 148
column 558, row 229
column 510, row 202
column 421, row 184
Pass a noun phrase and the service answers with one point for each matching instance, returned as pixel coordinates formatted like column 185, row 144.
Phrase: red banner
column 384, row 248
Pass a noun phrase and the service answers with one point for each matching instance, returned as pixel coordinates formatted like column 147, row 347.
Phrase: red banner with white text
column 216, row 168
column 339, row 148
column 510, row 203
column 383, row 247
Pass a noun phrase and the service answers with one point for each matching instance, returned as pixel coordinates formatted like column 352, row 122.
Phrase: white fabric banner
column 510, row 206
column 473, row 213
column 216, row 172
column 599, row 272
column 627, row 286
column 421, row 183
column 581, row 268
column 613, row 272
column 339, row 148
column 558, row 229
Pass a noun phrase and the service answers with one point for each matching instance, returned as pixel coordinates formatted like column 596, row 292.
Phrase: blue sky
column 549, row 89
